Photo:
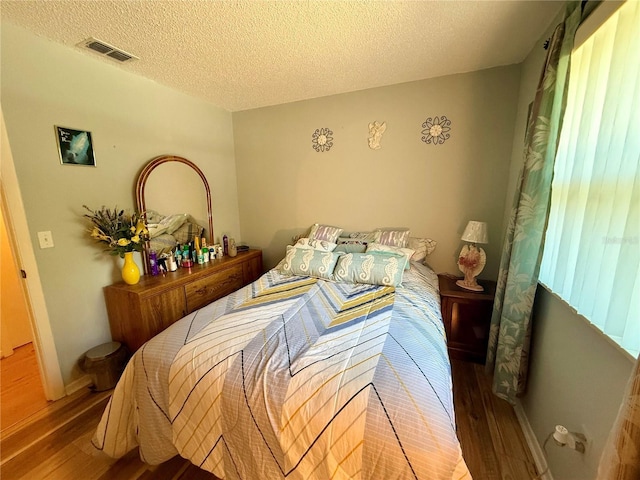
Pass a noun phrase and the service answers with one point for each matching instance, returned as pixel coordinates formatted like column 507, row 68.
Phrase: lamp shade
column 476, row 232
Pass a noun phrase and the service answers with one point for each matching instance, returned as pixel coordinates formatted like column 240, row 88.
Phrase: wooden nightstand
column 467, row 317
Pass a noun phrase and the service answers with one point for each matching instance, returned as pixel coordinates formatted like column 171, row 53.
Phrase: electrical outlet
column 45, row 239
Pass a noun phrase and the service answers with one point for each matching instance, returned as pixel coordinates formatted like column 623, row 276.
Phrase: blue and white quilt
column 299, row 378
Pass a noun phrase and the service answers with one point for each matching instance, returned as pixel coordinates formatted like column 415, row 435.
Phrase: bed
column 297, row 376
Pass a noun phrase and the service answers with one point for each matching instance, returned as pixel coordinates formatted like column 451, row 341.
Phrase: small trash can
column 105, row 364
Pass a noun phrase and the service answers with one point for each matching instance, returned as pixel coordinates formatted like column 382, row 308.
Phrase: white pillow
column 321, row 245
column 423, row 247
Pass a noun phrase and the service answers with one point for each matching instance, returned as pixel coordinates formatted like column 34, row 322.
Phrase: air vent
column 105, row 49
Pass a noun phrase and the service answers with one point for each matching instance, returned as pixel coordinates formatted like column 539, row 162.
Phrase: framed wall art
column 75, row 147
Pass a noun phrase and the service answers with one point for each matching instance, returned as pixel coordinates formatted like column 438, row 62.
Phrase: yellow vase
column 130, row 271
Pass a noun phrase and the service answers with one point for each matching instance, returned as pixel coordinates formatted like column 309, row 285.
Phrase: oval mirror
column 175, row 188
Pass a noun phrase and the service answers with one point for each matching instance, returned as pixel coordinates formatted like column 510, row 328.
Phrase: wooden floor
column 21, row 392
column 493, row 444
column 55, row 443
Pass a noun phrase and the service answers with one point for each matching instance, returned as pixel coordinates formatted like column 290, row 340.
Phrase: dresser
column 139, row 312
column 467, row 318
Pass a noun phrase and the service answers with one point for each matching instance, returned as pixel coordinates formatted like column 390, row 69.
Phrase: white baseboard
column 79, row 383
column 539, row 456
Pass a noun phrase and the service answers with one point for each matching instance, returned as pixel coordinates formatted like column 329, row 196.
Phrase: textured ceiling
column 246, row 54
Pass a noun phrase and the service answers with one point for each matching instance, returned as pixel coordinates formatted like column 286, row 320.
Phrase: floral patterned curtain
column 509, row 337
column 621, row 456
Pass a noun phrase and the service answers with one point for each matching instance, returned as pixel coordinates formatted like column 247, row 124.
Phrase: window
column 592, row 250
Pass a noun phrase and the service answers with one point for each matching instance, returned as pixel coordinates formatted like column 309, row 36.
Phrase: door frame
column 22, row 248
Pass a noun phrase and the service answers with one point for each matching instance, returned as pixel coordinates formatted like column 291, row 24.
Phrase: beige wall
column 132, row 120
column 285, row 186
column 577, row 379
column 577, row 376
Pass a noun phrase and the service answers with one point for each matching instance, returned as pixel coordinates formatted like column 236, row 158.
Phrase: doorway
column 21, row 390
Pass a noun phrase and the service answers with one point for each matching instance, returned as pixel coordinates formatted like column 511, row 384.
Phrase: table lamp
column 472, row 259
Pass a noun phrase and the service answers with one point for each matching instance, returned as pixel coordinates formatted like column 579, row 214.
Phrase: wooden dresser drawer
column 138, row 312
column 158, row 312
column 206, row 290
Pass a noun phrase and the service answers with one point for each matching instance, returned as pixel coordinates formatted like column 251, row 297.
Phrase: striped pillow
column 393, row 238
column 324, row 232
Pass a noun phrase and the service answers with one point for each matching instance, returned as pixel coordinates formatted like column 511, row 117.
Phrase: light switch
column 45, row 239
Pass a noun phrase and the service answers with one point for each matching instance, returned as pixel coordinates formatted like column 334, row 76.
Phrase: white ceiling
column 245, row 54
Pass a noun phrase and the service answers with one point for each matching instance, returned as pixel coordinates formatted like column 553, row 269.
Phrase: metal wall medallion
column 322, row 139
column 436, row 130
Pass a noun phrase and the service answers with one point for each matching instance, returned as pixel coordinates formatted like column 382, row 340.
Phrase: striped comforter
column 294, row 377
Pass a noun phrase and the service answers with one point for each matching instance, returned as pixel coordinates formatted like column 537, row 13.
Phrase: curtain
column 509, row 336
column 621, row 455
column 591, row 258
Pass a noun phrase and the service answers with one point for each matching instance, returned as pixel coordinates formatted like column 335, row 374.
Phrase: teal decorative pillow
column 406, row 252
column 309, row 262
column 351, row 248
column 376, row 268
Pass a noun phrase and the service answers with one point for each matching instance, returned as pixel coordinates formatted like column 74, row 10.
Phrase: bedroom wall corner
column 132, row 120
column 285, row 185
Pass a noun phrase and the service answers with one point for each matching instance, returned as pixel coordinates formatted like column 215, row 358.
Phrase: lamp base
column 474, row 287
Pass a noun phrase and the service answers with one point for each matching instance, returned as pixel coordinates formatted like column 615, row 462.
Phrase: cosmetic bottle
column 153, row 262
column 178, row 255
column 171, row 263
column 186, row 258
column 232, row 248
column 205, row 250
column 225, row 245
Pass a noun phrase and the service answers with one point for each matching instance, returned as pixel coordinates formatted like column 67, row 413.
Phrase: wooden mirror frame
column 140, row 199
